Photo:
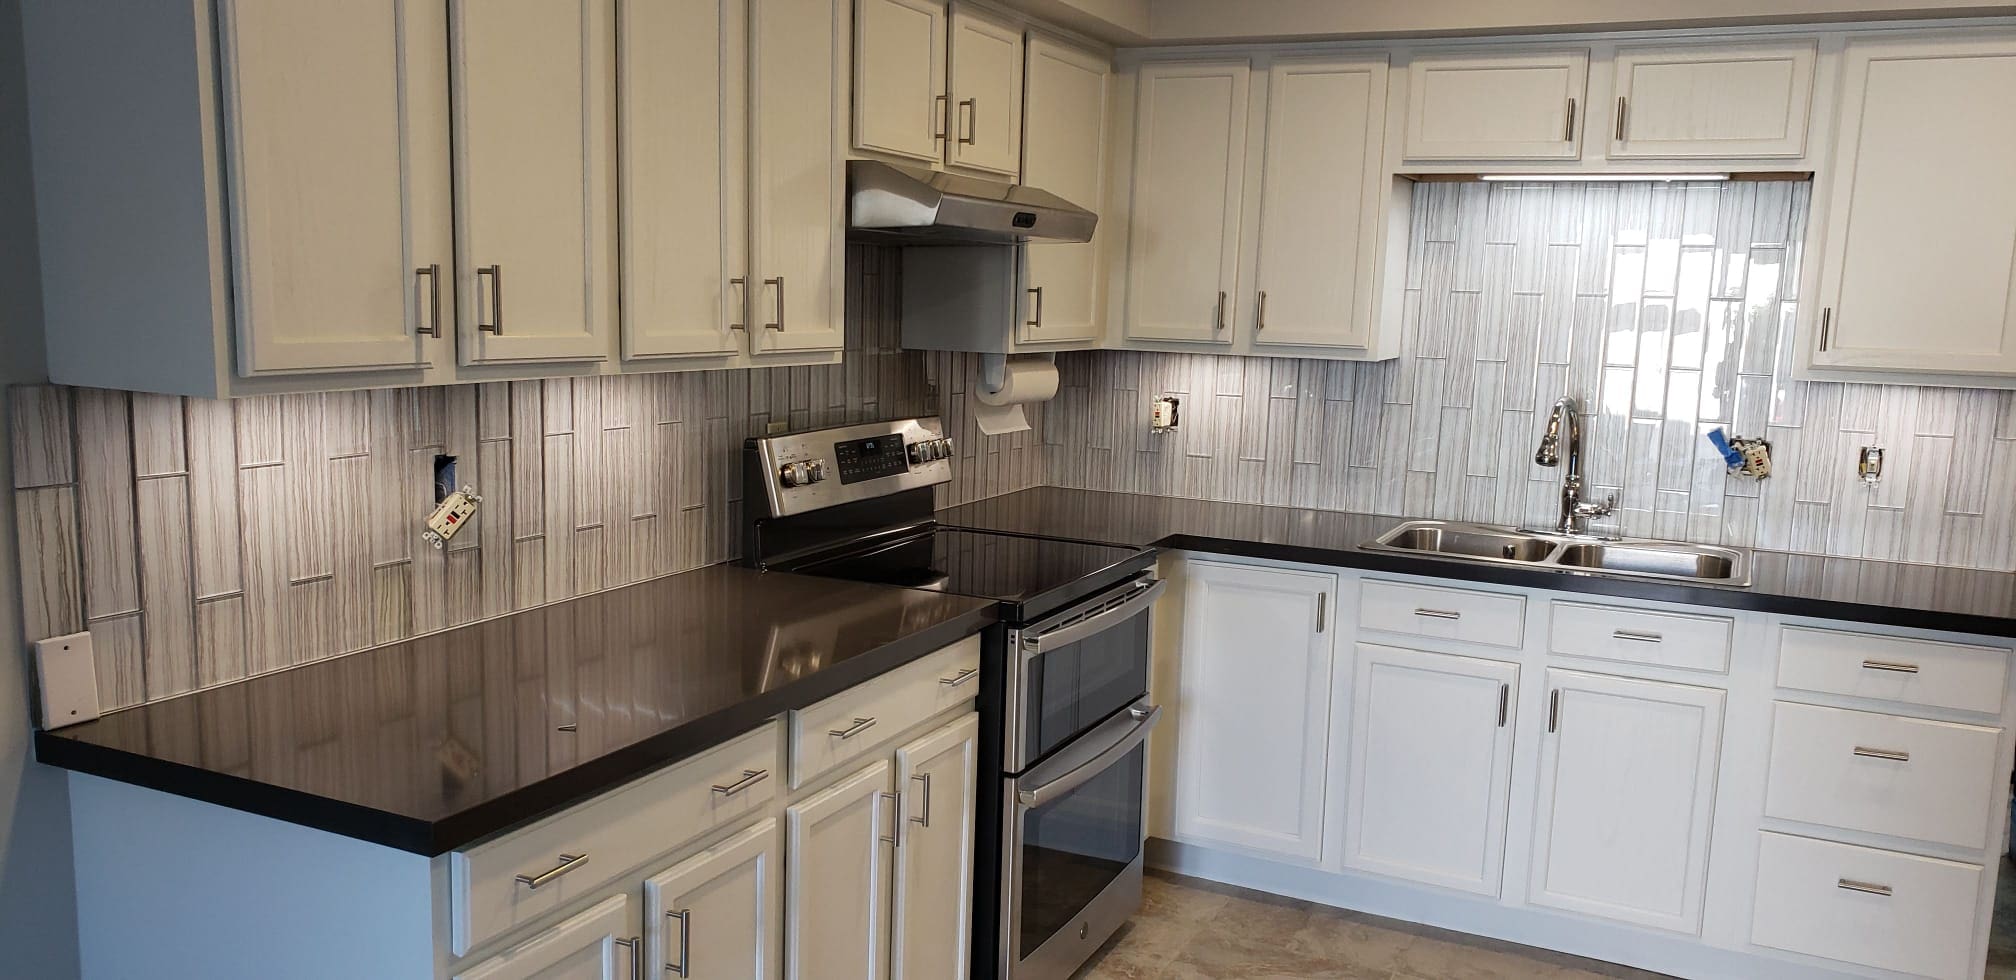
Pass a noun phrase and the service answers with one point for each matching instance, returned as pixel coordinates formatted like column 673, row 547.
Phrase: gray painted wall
column 38, row 902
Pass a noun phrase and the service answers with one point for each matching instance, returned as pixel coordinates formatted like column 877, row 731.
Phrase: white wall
column 1188, row 21
column 38, row 905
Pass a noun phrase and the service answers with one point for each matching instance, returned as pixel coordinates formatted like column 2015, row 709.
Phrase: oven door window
column 1073, row 687
column 1076, row 845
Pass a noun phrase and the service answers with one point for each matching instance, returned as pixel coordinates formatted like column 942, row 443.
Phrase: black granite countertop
column 1851, row 589
column 434, row 743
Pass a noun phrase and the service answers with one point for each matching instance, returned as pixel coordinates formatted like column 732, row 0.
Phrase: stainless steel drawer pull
column 860, row 725
column 779, row 283
column 925, row 820
column 1570, row 135
column 1891, row 754
column 1554, row 710
column 972, row 121
column 742, row 284
column 1438, row 614
column 1504, row 703
column 1865, row 887
column 750, row 777
column 433, row 274
column 1036, row 307
column 1826, row 325
column 1620, row 119
column 965, row 674
column 942, row 108
column 1636, row 635
column 1260, row 312
column 1218, row 317
column 496, row 324
column 568, row 862
column 635, row 944
column 685, row 919
column 1889, row 665
column 894, row 838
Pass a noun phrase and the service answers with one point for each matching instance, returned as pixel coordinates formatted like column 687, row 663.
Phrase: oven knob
column 920, row 453
column 943, row 449
column 793, row 475
column 815, row 471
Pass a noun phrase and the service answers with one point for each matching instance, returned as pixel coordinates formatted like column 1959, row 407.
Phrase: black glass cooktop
column 1033, row 574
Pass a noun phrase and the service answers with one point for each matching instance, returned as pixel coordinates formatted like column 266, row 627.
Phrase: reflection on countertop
column 431, row 743
column 1853, row 589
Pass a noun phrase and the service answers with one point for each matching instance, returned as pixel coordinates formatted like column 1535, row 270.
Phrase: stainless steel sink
column 1538, row 549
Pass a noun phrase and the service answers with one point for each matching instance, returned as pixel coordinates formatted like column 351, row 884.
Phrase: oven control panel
column 805, row 471
column 869, row 457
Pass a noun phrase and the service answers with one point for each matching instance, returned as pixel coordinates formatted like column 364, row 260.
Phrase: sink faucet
column 1566, row 423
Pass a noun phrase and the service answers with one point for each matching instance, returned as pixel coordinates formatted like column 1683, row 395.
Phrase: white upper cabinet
column 1322, row 180
column 932, row 921
column 1491, row 105
column 1918, row 263
column 1064, row 153
column 837, row 893
column 986, row 93
column 535, row 154
column 1431, row 767
column 594, row 945
column 1627, row 792
column 719, row 913
column 1726, row 101
column 336, row 148
column 1188, row 190
column 899, row 78
column 1253, row 734
column 683, row 173
column 798, row 198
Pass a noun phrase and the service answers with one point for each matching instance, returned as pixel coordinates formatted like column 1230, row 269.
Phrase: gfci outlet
column 1164, row 413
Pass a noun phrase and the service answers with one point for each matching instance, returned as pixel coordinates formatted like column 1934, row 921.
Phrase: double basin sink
column 1700, row 563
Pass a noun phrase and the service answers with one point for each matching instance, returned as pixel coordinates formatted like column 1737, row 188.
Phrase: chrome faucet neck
column 1564, row 438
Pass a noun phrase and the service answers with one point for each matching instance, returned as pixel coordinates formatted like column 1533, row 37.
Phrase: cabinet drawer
column 577, row 851
column 1451, row 614
column 1885, row 774
column 845, row 726
column 1861, row 905
column 1892, row 668
column 1636, row 636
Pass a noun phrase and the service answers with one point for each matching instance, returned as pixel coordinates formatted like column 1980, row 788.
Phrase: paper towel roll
column 1022, row 382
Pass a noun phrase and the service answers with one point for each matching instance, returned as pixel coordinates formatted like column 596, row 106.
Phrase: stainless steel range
column 1063, row 685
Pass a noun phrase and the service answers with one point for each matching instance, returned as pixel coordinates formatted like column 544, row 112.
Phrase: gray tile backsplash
column 1667, row 308
column 204, row 541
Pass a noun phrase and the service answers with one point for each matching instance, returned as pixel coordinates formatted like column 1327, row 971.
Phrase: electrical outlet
column 450, row 517
column 66, row 672
column 1869, row 464
column 1164, row 414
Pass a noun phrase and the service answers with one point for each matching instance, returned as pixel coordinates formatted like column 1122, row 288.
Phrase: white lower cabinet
column 1862, row 905
column 933, row 921
column 837, row 895
column 1431, row 767
column 718, row 913
column 1627, row 788
column 597, row 944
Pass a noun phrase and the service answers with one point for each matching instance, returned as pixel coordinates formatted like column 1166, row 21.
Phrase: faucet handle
column 1586, row 510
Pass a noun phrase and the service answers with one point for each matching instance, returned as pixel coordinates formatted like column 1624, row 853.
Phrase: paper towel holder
column 994, row 369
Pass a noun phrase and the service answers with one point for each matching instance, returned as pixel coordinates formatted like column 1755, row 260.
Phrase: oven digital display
column 866, row 459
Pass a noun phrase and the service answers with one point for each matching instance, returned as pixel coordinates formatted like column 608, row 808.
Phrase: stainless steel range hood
column 902, row 206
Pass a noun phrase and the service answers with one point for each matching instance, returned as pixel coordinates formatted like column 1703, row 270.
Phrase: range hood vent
column 901, row 206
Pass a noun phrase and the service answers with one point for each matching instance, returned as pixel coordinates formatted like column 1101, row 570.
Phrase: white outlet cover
column 66, row 672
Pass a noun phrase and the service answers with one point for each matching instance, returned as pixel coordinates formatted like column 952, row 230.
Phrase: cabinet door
column 1064, row 152
column 797, row 199
column 717, row 913
column 899, row 78
column 933, row 916
column 1919, row 271
column 594, row 945
column 1627, row 793
column 336, row 145
column 1466, row 106
column 1431, row 767
column 1320, row 185
column 683, row 168
column 836, row 892
column 535, row 153
column 1748, row 100
column 986, row 93
column 1189, row 180
column 1255, row 721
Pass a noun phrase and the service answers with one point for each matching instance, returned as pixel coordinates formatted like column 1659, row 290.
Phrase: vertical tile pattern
column 1666, row 308
column 204, row 541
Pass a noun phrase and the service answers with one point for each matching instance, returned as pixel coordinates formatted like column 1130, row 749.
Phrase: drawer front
column 1885, row 774
column 1488, row 618
column 1891, row 668
column 848, row 725
column 1661, row 639
column 582, row 849
column 1861, row 905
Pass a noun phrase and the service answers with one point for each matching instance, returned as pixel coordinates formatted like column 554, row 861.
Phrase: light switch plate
column 67, row 675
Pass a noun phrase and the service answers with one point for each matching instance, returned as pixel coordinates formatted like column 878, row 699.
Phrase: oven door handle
column 1119, row 741
column 1121, row 611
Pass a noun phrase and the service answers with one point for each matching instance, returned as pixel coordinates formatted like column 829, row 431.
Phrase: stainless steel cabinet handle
column 1036, row 317
column 1260, row 312
column 1637, row 636
column 779, row 283
column 1826, row 325
column 1890, row 665
column 860, row 725
column 568, row 862
column 750, row 777
column 971, row 119
column 925, row 820
column 1438, row 614
column 1620, row 119
column 496, row 324
column 941, row 108
column 1571, row 121
column 1219, row 316
column 433, row 274
column 1121, row 610
column 1504, row 703
column 1865, row 887
column 742, row 284
column 1890, row 754
column 894, row 838
column 1554, row 710
column 1322, row 611
column 965, row 674
column 685, row 920
column 635, row 944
